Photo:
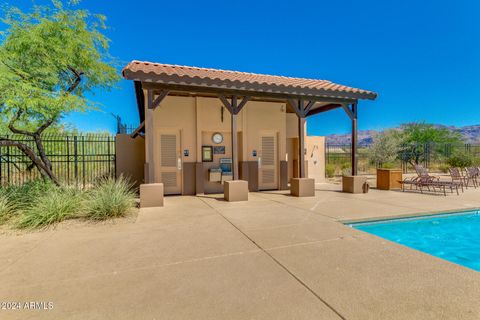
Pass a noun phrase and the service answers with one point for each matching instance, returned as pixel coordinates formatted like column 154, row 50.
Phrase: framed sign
column 219, row 150
column 207, row 153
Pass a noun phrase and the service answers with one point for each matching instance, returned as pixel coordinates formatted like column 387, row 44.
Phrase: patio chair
column 423, row 172
column 424, row 179
column 457, row 177
column 427, row 181
column 471, row 174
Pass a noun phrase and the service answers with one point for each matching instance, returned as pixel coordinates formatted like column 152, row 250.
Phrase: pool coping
column 405, row 215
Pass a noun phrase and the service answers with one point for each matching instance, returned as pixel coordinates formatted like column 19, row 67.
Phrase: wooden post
column 301, row 146
column 302, row 110
column 152, row 104
column 234, row 140
column 234, row 108
column 354, row 139
column 149, row 145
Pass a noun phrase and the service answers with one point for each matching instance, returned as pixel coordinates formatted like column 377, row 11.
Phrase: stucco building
column 203, row 127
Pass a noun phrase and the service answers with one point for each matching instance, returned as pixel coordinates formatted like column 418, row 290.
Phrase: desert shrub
column 330, row 170
column 475, row 161
column 346, row 169
column 48, row 208
column 346, row 165
column 22, row 196
column 460, row 160
column 388, row 165
column 110, row 198
column 7, row 209
column 443, row 168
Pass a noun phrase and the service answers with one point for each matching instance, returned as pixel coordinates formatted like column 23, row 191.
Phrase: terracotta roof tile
column 195, row 76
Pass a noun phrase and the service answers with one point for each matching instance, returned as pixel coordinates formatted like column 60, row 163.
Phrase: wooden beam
column 294, row 104
column 325, row 108
column 301, row 146
column 243, row 103
column 314, row 94
column 354, row 139
column 234, row 108
column 234, row 146
column 348, row 111
column 154, row 103
column 226, row 104
column 308, row 107
column 136, row 132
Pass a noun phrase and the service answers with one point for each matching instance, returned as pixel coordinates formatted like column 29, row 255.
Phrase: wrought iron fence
column 78, row 160
column 430, row 155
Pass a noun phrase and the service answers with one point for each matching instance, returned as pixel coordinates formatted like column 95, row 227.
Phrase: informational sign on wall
column 218, row 149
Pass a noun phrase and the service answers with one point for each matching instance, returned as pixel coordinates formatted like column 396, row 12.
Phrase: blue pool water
column 453, row 237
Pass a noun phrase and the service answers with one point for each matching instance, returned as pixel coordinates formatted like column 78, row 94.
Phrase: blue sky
column 422, row 57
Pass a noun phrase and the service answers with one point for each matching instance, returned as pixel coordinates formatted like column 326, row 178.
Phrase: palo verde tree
column 418, row 139
column 50, row 57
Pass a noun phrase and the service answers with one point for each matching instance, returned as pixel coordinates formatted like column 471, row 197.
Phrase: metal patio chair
column 457, row 177
column 471, row 174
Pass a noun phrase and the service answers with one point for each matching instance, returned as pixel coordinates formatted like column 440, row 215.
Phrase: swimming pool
column 454, row 237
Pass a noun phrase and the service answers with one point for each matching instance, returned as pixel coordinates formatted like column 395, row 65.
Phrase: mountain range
column 471, row 134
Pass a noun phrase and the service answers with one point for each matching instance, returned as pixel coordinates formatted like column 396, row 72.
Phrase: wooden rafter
column 234, row 107
column 324, row 108
column 153, row 103
column 137, row 131
column 300, row 108
column 348, row 111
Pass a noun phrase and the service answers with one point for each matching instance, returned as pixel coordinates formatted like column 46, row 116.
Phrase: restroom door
column 169, row 162
column 267, row 164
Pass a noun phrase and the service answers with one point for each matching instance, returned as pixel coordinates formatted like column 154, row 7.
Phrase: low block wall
column 130, row 157
column 315, row 157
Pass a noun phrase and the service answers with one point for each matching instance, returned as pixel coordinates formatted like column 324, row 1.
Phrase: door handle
column 179, row 163
column 259, row 162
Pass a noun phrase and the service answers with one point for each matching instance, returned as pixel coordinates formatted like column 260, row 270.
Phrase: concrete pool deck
column 273, row 257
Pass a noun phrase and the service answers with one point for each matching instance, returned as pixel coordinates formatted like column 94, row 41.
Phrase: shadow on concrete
column 218, row 198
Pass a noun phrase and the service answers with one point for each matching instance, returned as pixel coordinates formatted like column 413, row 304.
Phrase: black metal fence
column 430, row 155
column 78, row 160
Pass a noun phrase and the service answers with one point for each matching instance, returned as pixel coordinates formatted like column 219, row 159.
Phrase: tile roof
column 235, row 80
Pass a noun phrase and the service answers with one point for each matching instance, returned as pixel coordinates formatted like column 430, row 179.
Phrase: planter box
column 302, row 187
column 353, row 184
column 388, row 179
column 235, row 190
column 151, row 195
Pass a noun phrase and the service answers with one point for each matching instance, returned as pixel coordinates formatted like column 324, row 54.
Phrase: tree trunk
column 30, row 153
column 46, row 166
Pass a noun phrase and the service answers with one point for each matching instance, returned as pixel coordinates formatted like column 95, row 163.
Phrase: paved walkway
column 273, row 257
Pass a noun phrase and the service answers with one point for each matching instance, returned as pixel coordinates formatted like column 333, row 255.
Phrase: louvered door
column 267, row 170
column 169, row 162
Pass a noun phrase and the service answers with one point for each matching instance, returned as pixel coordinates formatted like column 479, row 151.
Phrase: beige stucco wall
column 315, row 157
column 264, row 118
column 130, row 157
column 292, row 125
column 197, row 118
column 177, row 113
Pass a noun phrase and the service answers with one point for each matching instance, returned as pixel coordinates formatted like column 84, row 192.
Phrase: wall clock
column 217, row 138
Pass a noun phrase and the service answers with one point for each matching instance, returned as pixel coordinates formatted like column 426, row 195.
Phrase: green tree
column 419, row 138
column 50, row 57
column 385, row 147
